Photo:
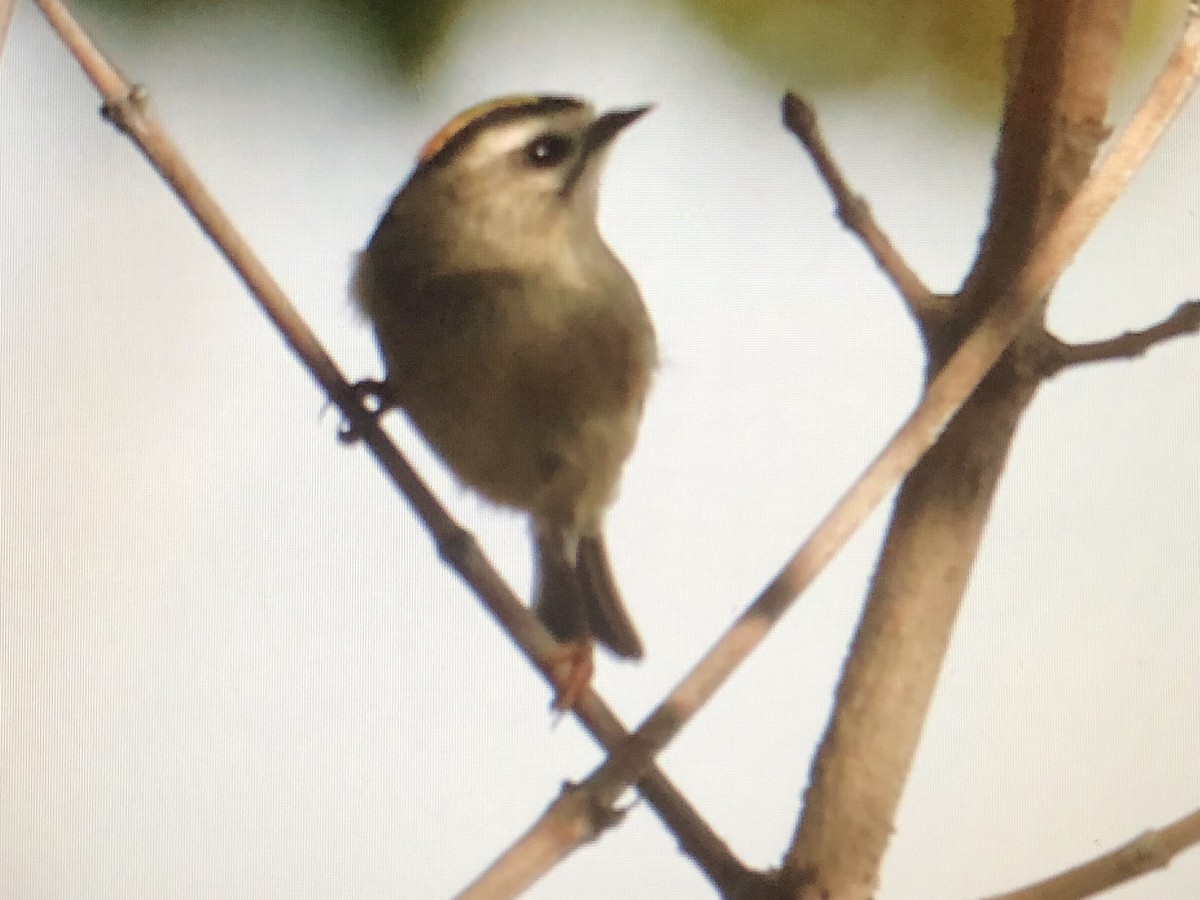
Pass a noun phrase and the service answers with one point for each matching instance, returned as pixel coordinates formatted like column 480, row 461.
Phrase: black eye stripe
column 549, row 150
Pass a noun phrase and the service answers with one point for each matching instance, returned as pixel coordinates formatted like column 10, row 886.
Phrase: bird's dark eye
column 548, row 150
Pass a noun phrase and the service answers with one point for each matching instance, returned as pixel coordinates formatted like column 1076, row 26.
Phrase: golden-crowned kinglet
column 515, row 340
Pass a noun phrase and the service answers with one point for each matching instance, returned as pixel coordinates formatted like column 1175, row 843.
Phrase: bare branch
column 578, row 816
column 1063, row 60
column 1053, row 355
column 1048, row 136
column 945, row 395
column 572, row 819
column 127, row 109
column 1150, row 851
column 801, row 120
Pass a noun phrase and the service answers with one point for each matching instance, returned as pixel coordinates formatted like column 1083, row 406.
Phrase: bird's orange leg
column 571, row 671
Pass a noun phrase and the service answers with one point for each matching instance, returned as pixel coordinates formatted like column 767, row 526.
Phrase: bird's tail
column 578, row 598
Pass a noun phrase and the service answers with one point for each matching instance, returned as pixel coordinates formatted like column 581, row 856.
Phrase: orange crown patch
column 466, row 117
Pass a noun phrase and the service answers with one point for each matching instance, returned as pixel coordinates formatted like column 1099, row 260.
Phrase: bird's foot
column 376, row 398
column 571, row 671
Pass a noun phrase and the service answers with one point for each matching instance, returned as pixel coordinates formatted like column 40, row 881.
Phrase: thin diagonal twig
column 945, row 394
column 574, row 818
column 1153, row 850
column 1054, row 354
column 801, row 120
column 126, row 108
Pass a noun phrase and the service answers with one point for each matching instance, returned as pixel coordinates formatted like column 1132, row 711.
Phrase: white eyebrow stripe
column 502, row 139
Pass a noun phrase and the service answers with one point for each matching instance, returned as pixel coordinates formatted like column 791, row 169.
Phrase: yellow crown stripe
column 466, row 117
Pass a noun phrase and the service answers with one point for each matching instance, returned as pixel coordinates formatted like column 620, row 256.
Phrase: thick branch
column 1150, row 851
column 127, row 109
column 1056, row 103
column 1054, row 355
column 1064, row 56
column 854, row 212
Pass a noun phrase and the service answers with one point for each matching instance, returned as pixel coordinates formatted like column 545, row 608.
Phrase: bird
column 518, row 344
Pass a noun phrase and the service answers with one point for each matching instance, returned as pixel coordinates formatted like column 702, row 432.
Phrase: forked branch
column 1063, row 59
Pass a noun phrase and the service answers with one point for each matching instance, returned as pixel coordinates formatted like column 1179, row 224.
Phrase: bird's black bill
column 609, row 125
column 598, row 136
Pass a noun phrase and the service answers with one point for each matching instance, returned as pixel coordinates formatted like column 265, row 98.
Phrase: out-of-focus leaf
column 955, row 47
column 401, row 35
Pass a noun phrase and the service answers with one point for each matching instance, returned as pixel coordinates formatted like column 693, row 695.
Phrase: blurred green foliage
column 398, row 35
column 955, row 46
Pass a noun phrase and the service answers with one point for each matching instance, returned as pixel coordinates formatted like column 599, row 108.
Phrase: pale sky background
column 231, row 664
